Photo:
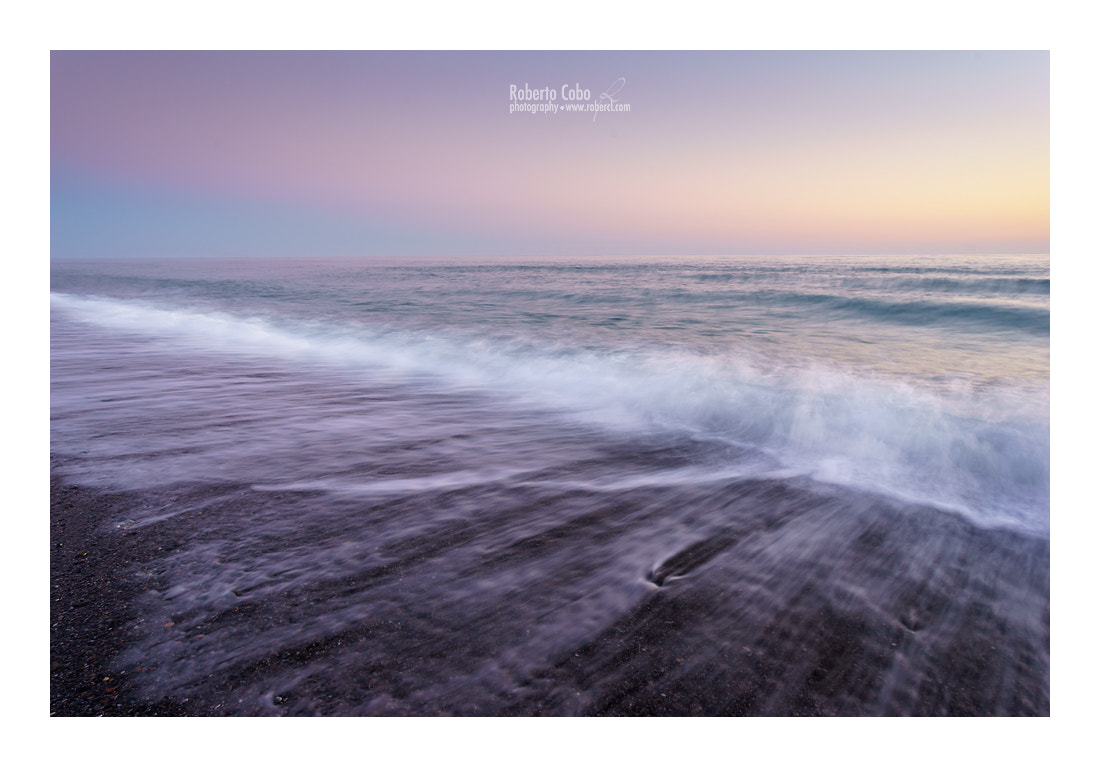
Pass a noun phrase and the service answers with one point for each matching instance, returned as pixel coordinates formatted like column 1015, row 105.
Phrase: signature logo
column 608, row 96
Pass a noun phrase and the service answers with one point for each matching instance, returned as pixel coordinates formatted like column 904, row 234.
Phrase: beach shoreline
column 666, row 656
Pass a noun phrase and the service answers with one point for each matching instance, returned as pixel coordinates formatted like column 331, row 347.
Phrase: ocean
column 568, row 486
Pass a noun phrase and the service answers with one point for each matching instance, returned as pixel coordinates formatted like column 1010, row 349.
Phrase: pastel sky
column 416, row 153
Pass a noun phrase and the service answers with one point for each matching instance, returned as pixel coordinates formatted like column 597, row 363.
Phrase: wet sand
column 92, row 606
column 803, row 604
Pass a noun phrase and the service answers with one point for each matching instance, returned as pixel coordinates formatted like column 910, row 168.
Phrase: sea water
column 800, row 484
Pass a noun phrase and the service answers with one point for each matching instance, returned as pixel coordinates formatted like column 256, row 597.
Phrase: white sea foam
column 983, row 451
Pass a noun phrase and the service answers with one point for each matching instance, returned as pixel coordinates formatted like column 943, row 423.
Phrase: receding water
column 723, row 485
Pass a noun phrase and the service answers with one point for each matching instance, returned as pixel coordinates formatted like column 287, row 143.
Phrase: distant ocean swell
column 969, row 284
column 1035, row 320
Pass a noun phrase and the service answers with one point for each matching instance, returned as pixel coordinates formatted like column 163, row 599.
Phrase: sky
column 157, row 154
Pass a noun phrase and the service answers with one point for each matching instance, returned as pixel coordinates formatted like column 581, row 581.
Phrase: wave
column 976, row 286
column 964, row 283
column 1012, row 305
column 927, row 312
column 982, row 452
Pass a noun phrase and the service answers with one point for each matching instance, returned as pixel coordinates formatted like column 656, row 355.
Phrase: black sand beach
column 912, row 612
column 92, row 606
